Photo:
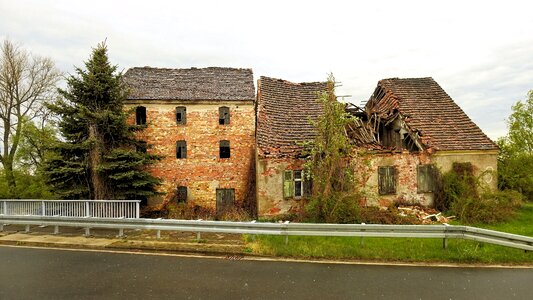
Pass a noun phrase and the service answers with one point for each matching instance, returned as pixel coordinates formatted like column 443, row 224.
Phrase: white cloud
column 479, row 51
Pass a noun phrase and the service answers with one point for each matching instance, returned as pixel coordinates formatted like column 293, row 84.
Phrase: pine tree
column 97, row 158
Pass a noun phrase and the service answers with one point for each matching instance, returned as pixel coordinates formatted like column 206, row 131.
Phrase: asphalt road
column 60, row 274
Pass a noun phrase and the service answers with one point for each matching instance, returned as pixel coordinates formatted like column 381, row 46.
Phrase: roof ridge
column 291, row 82
column 190, row 68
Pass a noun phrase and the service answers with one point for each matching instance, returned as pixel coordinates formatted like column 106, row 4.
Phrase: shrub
column 339, row 207
column 489, row 207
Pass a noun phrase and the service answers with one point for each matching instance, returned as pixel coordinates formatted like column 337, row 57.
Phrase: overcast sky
column 480, row 52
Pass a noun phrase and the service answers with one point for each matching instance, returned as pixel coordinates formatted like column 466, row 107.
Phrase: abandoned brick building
column 417, row 127
column 202, row 122
column 221, row 144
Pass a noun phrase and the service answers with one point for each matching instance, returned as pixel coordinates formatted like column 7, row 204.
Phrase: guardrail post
column 158, row 234
column 27, row 229
column 286, row 233
column 445, row 240
column 87, row 231
column 362, row 239
column 1, row 227
column 198, row 236
column 121, row 232
column 56, row 229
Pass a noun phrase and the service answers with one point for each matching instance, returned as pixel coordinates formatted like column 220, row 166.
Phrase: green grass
column 403, row 249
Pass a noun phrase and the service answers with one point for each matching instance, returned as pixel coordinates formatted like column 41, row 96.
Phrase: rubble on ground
column 425, row 214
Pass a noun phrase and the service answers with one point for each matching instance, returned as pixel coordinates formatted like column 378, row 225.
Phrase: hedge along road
column 29, row 273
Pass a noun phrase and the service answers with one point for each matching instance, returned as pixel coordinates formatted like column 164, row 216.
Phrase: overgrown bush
column 191, row 211
column 29, row 186
column 489, row 207
column 338, row 207
column 464, row 197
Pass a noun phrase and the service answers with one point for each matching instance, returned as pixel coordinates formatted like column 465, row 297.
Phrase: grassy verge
column 403, row 249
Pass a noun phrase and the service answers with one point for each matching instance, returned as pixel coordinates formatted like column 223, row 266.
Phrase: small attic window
column 223, row 115
column 181, row 115
column 140, row 115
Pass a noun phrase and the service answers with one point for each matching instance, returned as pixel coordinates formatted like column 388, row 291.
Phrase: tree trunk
column 99, row 188
column 10, row 177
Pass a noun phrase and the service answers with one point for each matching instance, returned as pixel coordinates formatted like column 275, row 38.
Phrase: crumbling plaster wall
column 269, row 197
column 202, row 172
column 484, row 162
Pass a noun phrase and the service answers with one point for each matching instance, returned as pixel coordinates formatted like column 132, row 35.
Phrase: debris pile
column 424, row 214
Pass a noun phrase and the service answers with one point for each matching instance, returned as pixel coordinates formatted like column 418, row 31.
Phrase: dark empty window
column 140, row 115
column 181, row 149
column 181, row 115
column 224, row 149
column 181, row 194
column 387, row 180
column 223, row 115
column 426, row 178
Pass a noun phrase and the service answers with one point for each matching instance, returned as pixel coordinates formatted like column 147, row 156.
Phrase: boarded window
column 140, row 115
column 181, row 192
column 181, row 115
column 387, row 180
column 223, row 115
column 225, row 200
column 224, row 149
column 288, row 184
column 426, row 178
column 181, row 149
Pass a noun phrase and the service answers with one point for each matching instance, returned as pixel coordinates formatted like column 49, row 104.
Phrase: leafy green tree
column 26, row 81
column 335, row 196
column 98, row 157
column 516, row 150
column 35, row 144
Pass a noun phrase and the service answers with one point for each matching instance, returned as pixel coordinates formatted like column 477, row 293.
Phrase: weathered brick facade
column 202, row 171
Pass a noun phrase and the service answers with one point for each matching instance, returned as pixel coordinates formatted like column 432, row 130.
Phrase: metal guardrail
column 284, row 229
column 71, row 208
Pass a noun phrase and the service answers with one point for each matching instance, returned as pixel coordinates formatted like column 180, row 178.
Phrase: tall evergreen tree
column 97, row 158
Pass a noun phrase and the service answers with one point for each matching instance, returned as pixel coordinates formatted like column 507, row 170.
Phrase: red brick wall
column 202, row 172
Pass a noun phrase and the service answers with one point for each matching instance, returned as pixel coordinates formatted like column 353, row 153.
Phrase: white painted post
column 121, row 232
column 87, row 231
column 137, row 207
column 5, row 208
column 56, row 229
column 27, row 229
column 1, row 227
column 43, row 208
column 159, row 234
column 87, row 212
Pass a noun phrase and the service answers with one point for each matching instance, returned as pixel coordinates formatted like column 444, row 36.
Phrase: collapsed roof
column 426, row 114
